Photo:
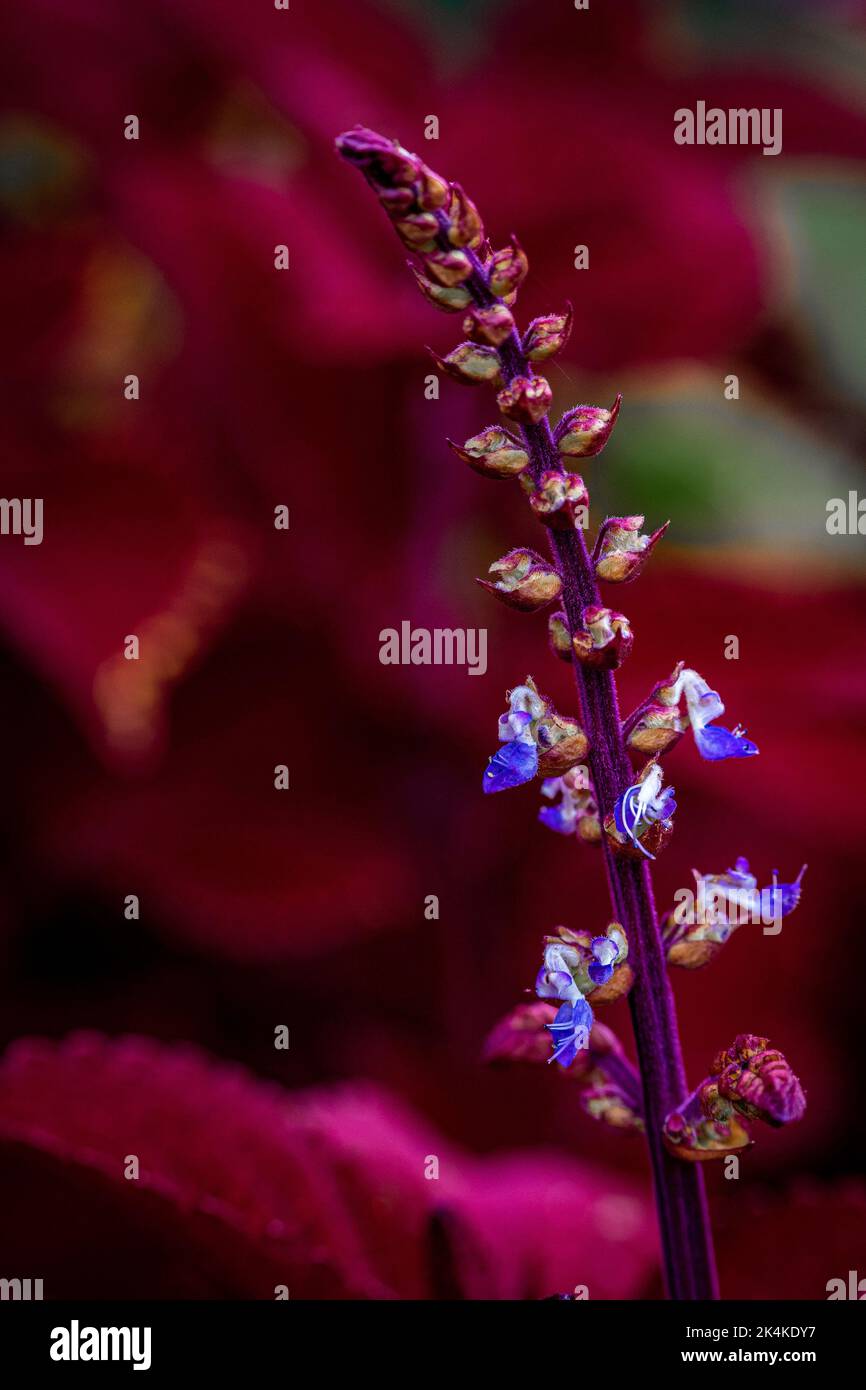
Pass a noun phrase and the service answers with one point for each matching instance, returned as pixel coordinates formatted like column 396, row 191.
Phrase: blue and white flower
column 516, row 761
column 704, row 705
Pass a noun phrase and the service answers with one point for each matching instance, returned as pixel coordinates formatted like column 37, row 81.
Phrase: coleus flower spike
column 460, row 271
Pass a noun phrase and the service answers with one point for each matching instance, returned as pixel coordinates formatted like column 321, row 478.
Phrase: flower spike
column 460, row 272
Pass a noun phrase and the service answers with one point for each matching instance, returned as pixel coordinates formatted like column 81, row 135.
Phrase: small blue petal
column 571, row 1021
column 552, row 817
column 598, row 973
column 715, row 742
column 510, row 766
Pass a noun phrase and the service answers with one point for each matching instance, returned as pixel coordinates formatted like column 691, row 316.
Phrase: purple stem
column 686, row 1239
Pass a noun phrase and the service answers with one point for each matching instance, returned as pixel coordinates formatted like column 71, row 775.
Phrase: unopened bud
column 562, row 744
column 557, row 499
column 506, row 269
column 656, row 729
column 491, row 325
column 560, row 636
column 465, row 225
column 622, row 550
column 448, row 267
column 546, row 335
column 523, row 580
column 606, row 639
column 418, row 232
column 433, row 190
column 525, row 400
column 452, row 301
column 471, row 364
column 584, row 431
column 494, row 453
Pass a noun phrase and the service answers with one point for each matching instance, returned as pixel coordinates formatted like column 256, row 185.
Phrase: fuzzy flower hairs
column 589, row 786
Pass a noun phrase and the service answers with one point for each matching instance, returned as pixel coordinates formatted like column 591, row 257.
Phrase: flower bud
column 560, row 636
column 471, row 364
column 418, row 232
column 656, row 729
column 559, row 500
column 702, row 1128
column 546, row 335
column 525, row 400
column 562, row 744
column 523, row 580
column 506, row 269
column 432, row 190
column 384, row 162
column 398, row 202
column 448, row 268
column 747, row 1082
column 494, row 453
column 491, row 325
column 452, row 301
column 621, row 550
column 465, row 225
column 605, row 641
column 584, row 431
column 758, row 1080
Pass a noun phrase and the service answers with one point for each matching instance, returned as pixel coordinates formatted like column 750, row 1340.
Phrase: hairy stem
column 679, row 1189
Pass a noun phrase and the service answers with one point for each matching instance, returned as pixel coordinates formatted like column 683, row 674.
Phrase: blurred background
column 305, row 388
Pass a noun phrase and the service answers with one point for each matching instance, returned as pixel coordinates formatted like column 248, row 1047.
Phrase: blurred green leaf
column 726, row 473
column 826, row 221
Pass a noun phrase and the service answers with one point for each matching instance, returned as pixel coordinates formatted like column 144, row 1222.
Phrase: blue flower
column 517, row 761
column 555, row 980
column 570, row 1031
column 704, row 705
column 605, row 953
column 510, row 766
column 642, row 804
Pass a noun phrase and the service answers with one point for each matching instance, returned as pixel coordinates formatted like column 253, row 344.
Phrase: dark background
column 260, row 647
